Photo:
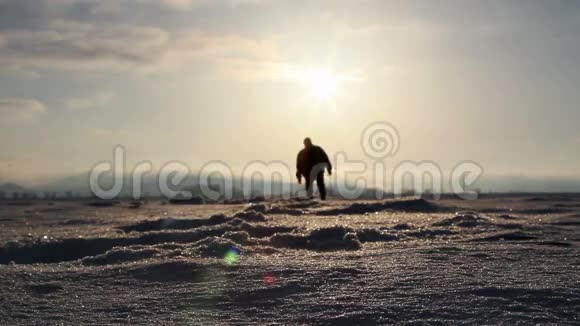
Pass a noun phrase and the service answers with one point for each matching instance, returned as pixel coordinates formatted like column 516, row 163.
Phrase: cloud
column 72, row 45
column 253, row 70
column 169, row 4
column 248, row 70
column 88, row 102
column 178, row 4
column 20, row 110
column 96, row 135
column 189, row 4
column 80, row 35
column 38, row 13
column 69, row 45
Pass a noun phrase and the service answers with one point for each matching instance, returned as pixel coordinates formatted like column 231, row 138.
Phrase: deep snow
column 501, row 260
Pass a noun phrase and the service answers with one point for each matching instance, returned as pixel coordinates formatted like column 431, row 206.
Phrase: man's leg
column 308, row 185
column 321, row 186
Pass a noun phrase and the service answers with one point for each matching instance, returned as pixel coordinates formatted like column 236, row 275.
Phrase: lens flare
column 269, row 279
column 232, row 255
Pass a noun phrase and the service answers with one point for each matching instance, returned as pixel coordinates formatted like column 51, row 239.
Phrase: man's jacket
column 308, row 158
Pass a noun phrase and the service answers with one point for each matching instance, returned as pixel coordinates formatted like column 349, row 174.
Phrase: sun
column 321, row 83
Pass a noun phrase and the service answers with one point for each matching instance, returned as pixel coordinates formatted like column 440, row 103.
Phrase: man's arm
column 298, row 168
column 326, row 160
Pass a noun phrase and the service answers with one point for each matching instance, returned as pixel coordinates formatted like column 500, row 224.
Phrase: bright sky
column 495, row 82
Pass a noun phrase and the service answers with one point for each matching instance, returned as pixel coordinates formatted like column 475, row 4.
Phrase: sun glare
column 321, row 83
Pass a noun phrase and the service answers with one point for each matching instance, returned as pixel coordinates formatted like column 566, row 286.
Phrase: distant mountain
column 532, row 184
column 75, row 183
column 11, row 188
column 79, row 184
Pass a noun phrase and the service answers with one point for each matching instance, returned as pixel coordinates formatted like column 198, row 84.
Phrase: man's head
column 307, row 142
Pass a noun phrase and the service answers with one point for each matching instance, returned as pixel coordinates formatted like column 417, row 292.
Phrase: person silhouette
column 310, row 164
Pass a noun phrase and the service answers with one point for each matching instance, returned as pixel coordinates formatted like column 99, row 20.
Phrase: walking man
column 310, row 164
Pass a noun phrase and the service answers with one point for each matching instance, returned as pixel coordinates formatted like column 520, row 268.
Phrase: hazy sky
column 495, row 82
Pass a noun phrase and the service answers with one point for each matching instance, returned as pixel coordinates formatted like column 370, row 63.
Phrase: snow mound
column 261, row 208
column 509, row 236
column 76, row 222
column 324, row 239
column 103, row 203
column 375, row 235
column 123, row 255
column 57, row 251
column 430, row 233
column 289, row 240
column 415, row 205
column 241, row 237
column 46, row 287
column 303, row 205
column 403, row 226
column 171, row 223
column 567, row 221
column 158, row 237
column 261, row 231
column 100, row 250
column 214, row 246
column 544, row 211
column 250, row 216
column 508, row 217
column 169, row 271
column 467, row 220
column 285, row 211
